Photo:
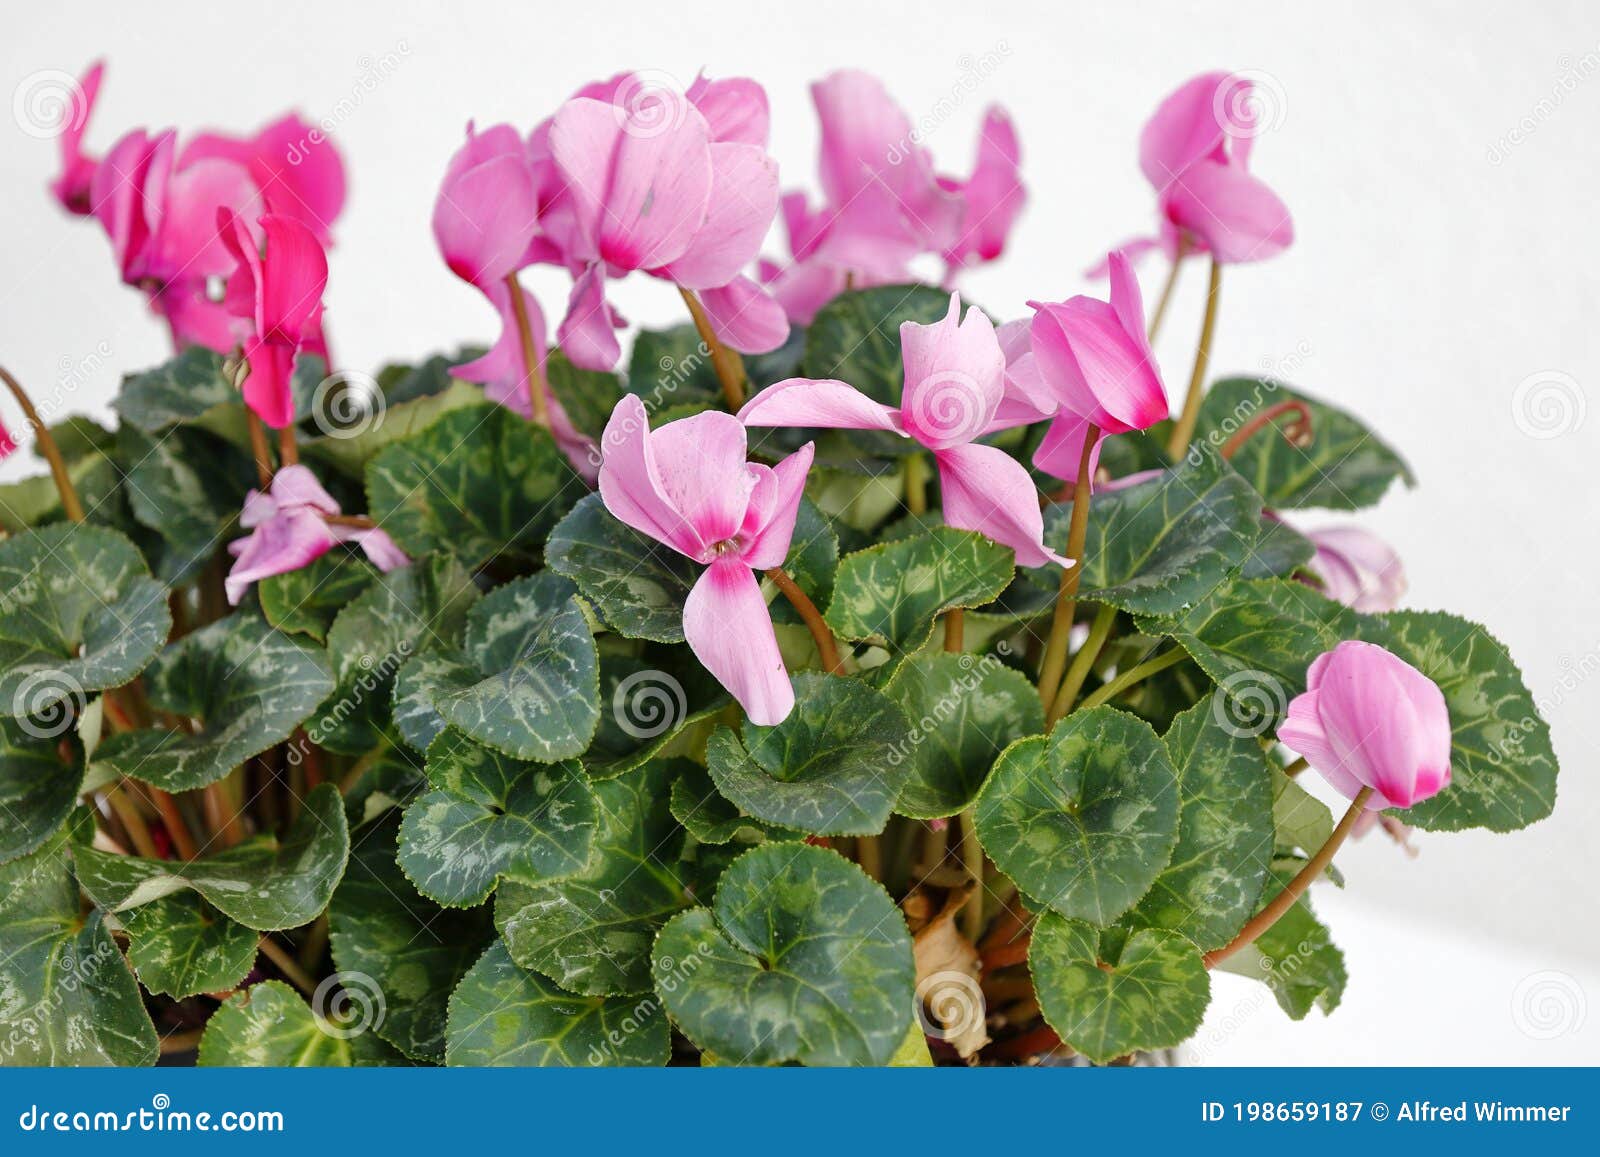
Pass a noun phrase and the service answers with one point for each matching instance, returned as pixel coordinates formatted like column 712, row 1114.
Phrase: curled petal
column 630, row 483
column 953, row 377
column 824, row 403
column 288, row 541
column 745, row 316
column 774, row 505
column 588, row 332
column 1235, row 215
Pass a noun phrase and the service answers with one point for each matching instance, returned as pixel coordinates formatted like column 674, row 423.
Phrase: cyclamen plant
column 850, row 680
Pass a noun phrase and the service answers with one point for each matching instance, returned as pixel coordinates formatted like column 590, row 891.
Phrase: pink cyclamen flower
column 1096, row 362
column 953, row 388
column 8, row 444
column 688, row 485
column 71, row 185
column 1195, row 151
column 289, row 529
column 293, row 163
column 1370, row 719
column 992, row 198
column 487, row 212
column 1357, row 568
column 279, row 293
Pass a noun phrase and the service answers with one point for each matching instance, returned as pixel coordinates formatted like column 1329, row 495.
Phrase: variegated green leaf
column 269, row 1025
column 180, row 946
column 637, row 585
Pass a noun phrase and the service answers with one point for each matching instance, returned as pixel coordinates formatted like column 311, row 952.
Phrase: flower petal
column 953, row 377
column 728, row 627
column 745, row 316
column 588, row 333
column 774, row 505
column 824, row 403
column 630, row 485
column 986, row 490
column 1235, row 215
column 285, row 542
column 744, row 200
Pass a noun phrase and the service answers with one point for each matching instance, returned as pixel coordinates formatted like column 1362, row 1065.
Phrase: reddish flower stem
column 1297, row 432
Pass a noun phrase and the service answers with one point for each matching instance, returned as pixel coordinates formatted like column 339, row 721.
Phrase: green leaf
column 591, row 933
column 1300, row 821
column 247, row 687
column 349, row 450
column 813, row 562
column 1279, row 551
column 835, row 766
column 1083, row 819
column 35, row 501
column 188, row 486
column 709, row 816
column 180, row 947
column 1295, row 958
column 1111, row 993
column 526, row 679
column 671, row 366
column 963, row 710
column 1503, row 768
column 38, row 787
column 637, row 585
column 587, row 396
column 489, row 815
column 892, row 593
column 856, row 336
column 413, row 951
column 504, row 1015
column 1346, row 466
column 68, row 998
column 79, row 612
column 647, row 710
column 399, row 382
column 802, row 957
column 262, row 883
column 179, row 390
column 483, row 483
column 306, row 601
column 268, row 1025
column 1163, row 544
column 1225, row 833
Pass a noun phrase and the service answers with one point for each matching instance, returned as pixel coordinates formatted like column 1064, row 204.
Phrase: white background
column 1440, row 162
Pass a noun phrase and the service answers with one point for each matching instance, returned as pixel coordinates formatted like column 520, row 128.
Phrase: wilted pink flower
column 1370, row 719
column 688, row 485
column 289, row 528
column 953, row 389
column 279, row 294
column 1357, row 568
column 71, row 185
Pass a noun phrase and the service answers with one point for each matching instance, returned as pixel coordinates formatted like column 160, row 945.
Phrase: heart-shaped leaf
column 402, row 416
column 648, row 708
column 1295, row 958
column 526, row 679
column 414, row 951
column 307, row 600
column 178, row 390
column 501, row 1014
column 709, row 816
column 591, row 933
column 247, row 687
column 835, row 766
column 268, row 1025
column 38, row 787
column 671, row 366
column 1085, row 818
column 263, row 883
column 891, row 593
column 489, row 815
column 79, row 612
column 68, row 997
column 636, row 584
column 856, row 336
column 963, row 710
column 188, row 486
column 1110, row 993
column 1225, row 832
column 1345, row 467
column 482, row 483
column 801, row 957
column 1280, row 550
column 180, row 946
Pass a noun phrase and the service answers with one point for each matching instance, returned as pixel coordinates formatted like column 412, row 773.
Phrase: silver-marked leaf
column 587, row 396
column 413, row 951
column 263, row 883
column 892, row 593
column 1300, row 821
column 1280, row 550
column 483, row 483
column 813, row 562
column 1108, row 993
column 1345, row 467
column 307, row 600
column 1225, row 832
column 269, row 1025
column 963, row 711
column 351, row 449
column 66, row 997
column 637, row 585
column 1083, row 819
column 79, row 612
column 246, row 686
column 591, row 933
column 179, row 390
column 835, row 766
column 488, row 815
column 38, row 787
column 179, row 946
column 709, row 816
column 801, row 957
column 650, row 708
column 526, row 679
column 501, row 1014
column 188, row 486
column 1295, row 958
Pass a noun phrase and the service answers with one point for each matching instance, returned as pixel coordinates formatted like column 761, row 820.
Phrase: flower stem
column 1297, row 432
column 1055, row 653
column 1296, row 887
column 1184, row 429
column 1134, row 675
column 47, row 444
column 177, row 827
column 954, row 630
column 827, row 646
column 533, row 372
column 1082, row 663
column 138, row 831
column 972, row 862
column 728, row 364
column 916, row 476
column 1166, row 290
column 287, row 965
column 288, row 449
column 260, row 450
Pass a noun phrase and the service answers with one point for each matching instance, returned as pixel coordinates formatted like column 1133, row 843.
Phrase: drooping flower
column 1370, row 719
column 953, row 389
column 688, row 485
column 71, row 185
column 289, row 529
column 278, row 293
column 1357, row 568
